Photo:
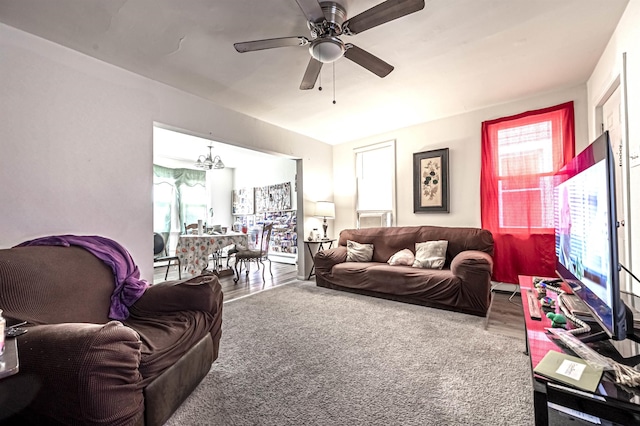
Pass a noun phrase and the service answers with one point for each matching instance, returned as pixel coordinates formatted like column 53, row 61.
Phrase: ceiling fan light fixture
column 327, row 50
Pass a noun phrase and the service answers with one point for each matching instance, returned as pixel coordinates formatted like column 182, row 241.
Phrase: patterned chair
column 259, row 255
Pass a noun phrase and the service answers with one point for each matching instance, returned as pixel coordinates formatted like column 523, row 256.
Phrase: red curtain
column 520, row 154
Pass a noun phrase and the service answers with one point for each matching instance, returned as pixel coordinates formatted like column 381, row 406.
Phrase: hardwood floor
column 282, row 274
column 505, row 316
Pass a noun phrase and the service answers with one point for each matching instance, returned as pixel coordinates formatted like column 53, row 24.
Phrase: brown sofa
column 464, row 283
column 79, row 367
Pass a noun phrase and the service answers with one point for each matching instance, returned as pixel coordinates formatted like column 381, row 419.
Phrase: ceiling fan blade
column 383, row 12
column 311, row 74
column 270, row 43
column 312, row 10
column 367, row 60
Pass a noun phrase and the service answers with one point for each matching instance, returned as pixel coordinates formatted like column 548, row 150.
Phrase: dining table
column 194, row 250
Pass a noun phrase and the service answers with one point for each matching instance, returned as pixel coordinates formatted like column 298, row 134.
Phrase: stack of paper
column 569, row 370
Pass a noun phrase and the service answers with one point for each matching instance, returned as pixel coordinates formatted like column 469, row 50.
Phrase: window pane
column 163, row 196
column 532, row 144
column 525, row 167
column 374, row 172
column 193, row 202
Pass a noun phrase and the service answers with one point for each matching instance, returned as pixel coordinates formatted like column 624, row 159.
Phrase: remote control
column 14, row 332
column 534, row 306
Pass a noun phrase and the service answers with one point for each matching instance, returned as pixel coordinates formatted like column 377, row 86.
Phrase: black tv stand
column 611, row 403
column 613, row 349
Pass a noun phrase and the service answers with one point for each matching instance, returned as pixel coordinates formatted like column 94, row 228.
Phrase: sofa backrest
column 54, row 284
column 389, row 240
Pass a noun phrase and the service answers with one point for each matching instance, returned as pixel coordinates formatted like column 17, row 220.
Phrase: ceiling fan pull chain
column 334, row 83
column 320, row 81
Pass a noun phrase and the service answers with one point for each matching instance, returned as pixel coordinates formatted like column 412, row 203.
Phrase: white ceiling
column 451, row 57
column 175, row 149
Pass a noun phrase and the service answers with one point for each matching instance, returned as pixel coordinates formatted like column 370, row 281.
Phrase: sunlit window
column 525, row 167
column 179, row 197
column 375, row 179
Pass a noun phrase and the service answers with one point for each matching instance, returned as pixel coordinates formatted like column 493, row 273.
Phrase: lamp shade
column 325, row 209
column 327, row 50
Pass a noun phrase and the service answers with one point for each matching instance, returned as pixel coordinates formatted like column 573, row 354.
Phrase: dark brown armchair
column 86, row 368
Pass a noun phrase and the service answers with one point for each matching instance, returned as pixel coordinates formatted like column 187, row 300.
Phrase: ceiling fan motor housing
column 334, row 14
column 327, row 47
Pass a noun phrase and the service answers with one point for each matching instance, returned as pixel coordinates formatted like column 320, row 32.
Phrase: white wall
column 462, row 135
column 263, row 173
column 219, row 186
column 608, row 69
column 76, row 144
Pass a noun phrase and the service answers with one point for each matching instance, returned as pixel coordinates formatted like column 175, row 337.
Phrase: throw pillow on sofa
column 357, row 252
column 430, row 254
column 403, row 257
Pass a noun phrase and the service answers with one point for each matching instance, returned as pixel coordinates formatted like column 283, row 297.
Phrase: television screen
column 586, row 234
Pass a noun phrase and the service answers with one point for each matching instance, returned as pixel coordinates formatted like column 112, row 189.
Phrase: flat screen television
column 586, row 235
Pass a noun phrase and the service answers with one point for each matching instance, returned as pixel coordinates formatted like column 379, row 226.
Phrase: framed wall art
column 242, row 201
column 431, row 181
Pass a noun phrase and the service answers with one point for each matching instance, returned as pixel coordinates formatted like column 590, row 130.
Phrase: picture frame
column 242, row 201
column 431, row 181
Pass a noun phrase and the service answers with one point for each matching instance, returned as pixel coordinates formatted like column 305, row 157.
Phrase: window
column 193, row 203
column 375, row 179
column 179, row 196
column 164, row 205
column 520, row 155
column 525, row 176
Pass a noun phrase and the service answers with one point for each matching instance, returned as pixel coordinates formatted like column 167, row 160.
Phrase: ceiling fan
column 327, row 21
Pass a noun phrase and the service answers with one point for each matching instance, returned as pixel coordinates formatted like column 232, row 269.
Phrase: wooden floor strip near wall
column 283, row 273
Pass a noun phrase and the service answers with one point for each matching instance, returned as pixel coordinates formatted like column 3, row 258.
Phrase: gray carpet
column 304, row 355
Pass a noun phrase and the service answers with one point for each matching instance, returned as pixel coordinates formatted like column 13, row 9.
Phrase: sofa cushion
column 54, row 284
column 403, row 257
column 357, row 252
column 200, row 293
column 167, row 337
column 430, row 254
column 171, row 317
column 440, row 286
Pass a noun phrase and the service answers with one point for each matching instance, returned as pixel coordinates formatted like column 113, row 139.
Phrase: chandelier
column 209, row 162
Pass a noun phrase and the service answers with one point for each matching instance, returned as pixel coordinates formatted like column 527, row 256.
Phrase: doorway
column 243, row 168
column 611, row 119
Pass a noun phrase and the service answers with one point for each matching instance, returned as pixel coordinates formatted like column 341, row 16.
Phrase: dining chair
column 160, row 254
column 259, row 255
column 191, row 226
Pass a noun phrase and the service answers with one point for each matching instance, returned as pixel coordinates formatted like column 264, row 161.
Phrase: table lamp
column 325, row 210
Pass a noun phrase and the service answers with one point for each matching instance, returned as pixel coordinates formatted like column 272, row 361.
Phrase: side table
column 9, row 359
column 16, row 390
column 319, row 246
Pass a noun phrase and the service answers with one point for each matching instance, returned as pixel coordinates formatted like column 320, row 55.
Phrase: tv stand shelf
column 555, row 402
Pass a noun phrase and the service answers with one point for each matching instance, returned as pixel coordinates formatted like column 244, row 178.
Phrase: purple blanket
column 129, row 287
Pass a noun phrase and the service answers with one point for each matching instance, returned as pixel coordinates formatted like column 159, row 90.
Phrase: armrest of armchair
column 325, row 260
column 85, row 373
column 472, row 266
column 201, row 293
